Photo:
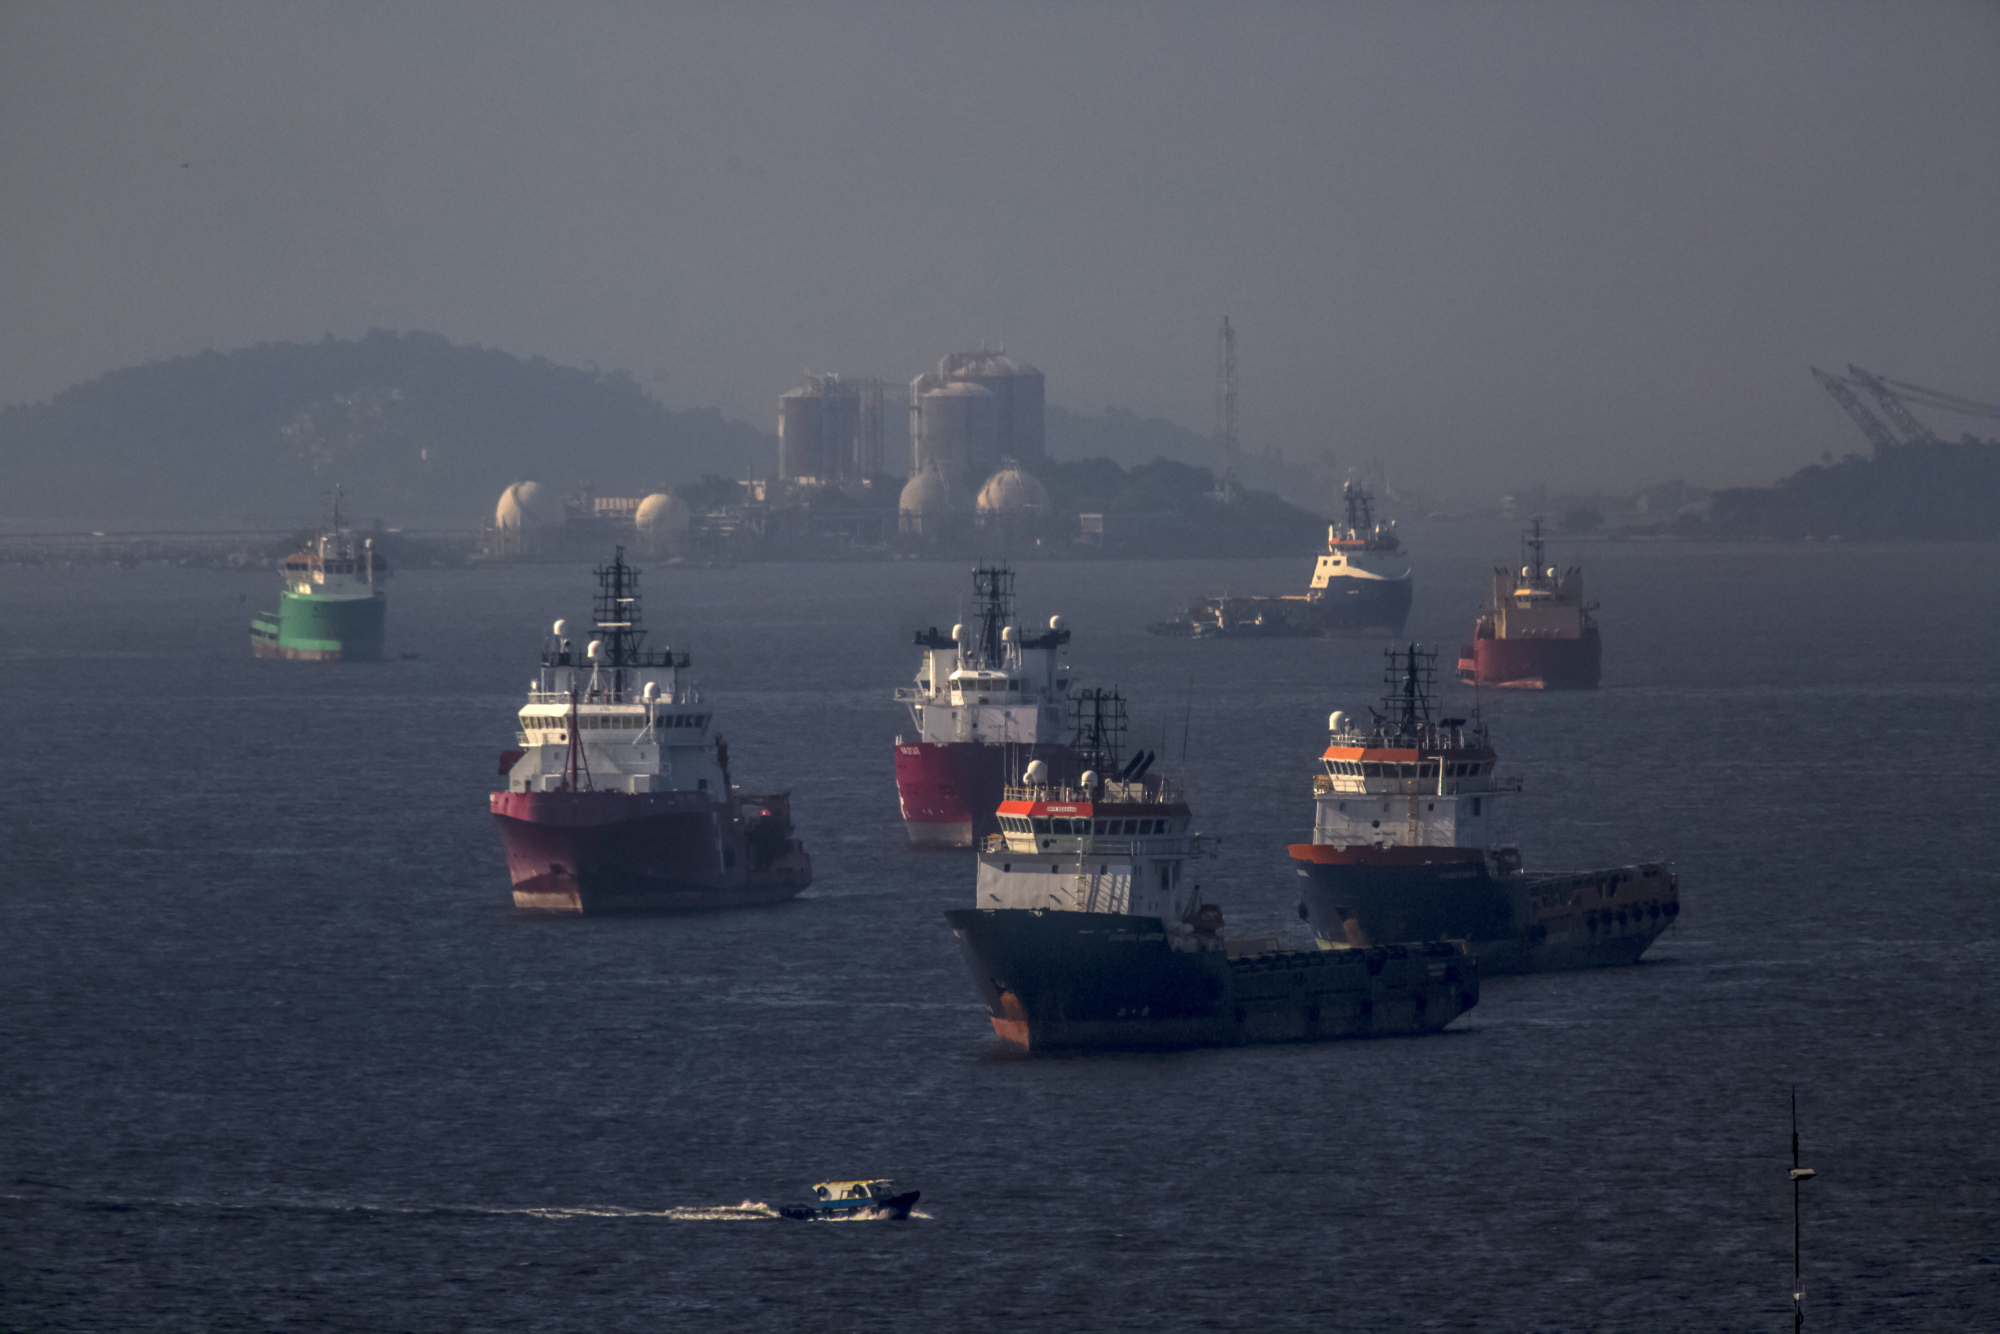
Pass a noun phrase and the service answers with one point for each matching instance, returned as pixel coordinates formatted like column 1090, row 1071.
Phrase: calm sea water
column 276, row 1053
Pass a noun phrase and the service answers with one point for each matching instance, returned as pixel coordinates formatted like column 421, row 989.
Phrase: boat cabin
column 1101, row 846
column 986, row 681
column 1403, row 778
column 834, row 1192
column 615, row 717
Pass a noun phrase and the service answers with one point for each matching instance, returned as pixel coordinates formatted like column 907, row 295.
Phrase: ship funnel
column 1055, row 623
column 1089, row 779
column 1037, row 774
column 1336, row 721
column 561, row 629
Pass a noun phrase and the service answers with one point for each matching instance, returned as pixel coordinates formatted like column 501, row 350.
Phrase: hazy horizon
column 1594, row 246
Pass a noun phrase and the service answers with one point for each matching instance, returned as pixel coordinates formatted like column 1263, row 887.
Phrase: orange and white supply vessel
column 1537, row 632
column 987, row 700
column 1361, row 582
column 619, row 798
column 1088, row 930
column 1406, row 846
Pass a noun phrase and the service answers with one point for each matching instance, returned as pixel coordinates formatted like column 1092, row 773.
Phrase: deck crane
column 1892, row 406
column 1871, row 426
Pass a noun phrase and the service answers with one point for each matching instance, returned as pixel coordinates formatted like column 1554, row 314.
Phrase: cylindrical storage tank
column 1020, row 415
column 839, row 430
column 801, row 418
column 957, row 431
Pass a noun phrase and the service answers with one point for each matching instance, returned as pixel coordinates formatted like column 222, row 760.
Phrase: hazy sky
column 1595, row 244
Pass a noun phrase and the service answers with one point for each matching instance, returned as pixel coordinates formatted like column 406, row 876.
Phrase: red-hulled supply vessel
column 619, row 798
column 988, row 699
column 1405, row 846
column 1537, row 632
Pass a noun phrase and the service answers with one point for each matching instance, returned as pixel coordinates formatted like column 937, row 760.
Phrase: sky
column 1591, row 245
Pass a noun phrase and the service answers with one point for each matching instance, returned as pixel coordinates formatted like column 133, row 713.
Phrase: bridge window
column 1428, row 769
column 1370, row 769
column 1041, row 824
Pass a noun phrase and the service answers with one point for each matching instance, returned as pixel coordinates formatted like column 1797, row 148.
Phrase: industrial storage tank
column 1020, row 411
column 955, row 423
column 522, row 505
column 926, row 504
column 1011, row 491
column 661, row 513
column 819, row 430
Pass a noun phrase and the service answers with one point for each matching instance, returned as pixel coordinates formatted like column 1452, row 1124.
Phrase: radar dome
column 1037, row 774
column 521, row 506
column 661, row 513
column 1011, row 491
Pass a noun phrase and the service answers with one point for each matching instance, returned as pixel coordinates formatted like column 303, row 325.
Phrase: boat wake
column 746, row 1211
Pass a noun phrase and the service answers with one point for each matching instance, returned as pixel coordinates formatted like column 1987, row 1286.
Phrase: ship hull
column 1533, row 664
column 1517, row 923
column 306, row 628
column 617, row 852
column 1072, row 981
column 1345, row 606
column 950, row 790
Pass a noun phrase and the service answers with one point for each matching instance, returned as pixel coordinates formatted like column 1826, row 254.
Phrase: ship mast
column 1411, row 677
column 993, row 594
column 1533, row 543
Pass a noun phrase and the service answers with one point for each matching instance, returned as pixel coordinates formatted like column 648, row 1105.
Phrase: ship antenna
column 578, row 762
column 1800, row 1175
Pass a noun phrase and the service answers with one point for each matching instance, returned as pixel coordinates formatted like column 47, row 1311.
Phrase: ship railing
column 1149, row 791
column 1088, row 846
column 1324, row 784
column 609, row 697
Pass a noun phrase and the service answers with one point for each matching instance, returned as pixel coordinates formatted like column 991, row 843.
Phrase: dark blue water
column 276, row 1053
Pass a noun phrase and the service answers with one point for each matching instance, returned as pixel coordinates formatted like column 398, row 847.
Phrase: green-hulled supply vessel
column 333, row 607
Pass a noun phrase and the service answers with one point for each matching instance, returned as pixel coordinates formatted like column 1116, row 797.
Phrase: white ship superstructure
column 1360, row 548
column 588, row 726
column 986, row 700
column 988, row 682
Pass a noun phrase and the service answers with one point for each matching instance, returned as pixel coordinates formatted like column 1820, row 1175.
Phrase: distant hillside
column 1125, row 438
column 1914, row 491
column 415, row 429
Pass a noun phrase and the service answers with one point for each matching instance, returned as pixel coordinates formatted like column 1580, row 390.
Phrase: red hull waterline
column 1533, row 664
column 950, row 790
column 598, row 852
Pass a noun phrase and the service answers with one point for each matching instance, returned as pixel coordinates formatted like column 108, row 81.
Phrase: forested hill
column 415, row 429
column 1932, row 491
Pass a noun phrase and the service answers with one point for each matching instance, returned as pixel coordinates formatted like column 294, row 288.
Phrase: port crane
column 1892, row 398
